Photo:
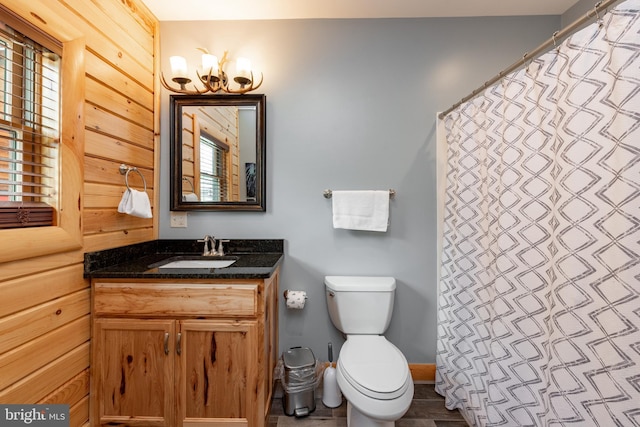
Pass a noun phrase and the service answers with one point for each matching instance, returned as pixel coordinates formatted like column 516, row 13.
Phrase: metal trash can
column 299, row 381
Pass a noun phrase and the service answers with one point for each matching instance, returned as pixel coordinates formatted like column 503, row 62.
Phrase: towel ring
column 184, row 178
column 124, row 170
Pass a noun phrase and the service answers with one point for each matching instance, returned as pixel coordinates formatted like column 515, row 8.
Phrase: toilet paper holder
column 286, row 294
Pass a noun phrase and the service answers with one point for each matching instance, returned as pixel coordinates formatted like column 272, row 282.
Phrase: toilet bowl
column 372, row 373
column 374, row 377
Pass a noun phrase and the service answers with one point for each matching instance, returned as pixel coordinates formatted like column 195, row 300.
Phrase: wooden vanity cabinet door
column 134, row 371
column 218, row 374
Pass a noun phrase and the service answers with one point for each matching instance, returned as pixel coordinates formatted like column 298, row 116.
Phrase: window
column 213, row 160
column 29, row 130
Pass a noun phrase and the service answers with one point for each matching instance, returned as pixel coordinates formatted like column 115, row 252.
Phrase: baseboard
column 423, row 371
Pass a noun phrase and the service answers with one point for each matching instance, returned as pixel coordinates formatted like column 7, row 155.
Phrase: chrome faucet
column 209, row 246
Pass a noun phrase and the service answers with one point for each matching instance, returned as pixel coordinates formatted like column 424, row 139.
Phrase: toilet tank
column 360, row 305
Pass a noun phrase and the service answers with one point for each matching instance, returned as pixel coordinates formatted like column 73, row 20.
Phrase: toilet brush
column 331, row 396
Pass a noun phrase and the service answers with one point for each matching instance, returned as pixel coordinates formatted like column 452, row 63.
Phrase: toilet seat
column 374, row 366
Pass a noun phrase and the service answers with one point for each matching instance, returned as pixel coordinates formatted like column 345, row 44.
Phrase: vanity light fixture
column 212, row 75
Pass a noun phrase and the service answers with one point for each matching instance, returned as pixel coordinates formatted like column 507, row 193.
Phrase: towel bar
column 327, row 193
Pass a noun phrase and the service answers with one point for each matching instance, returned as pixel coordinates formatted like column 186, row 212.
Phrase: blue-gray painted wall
column 351, row 104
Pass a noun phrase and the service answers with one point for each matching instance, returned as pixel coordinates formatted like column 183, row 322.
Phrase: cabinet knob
column 178, row 344
column 166, row 343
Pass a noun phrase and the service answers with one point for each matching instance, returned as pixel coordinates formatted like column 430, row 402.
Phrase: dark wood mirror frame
column 177, row 104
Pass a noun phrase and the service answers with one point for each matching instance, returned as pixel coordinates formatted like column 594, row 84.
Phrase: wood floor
column 427, row 410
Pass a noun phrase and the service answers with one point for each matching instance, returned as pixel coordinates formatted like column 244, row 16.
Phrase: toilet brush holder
column 331, row 395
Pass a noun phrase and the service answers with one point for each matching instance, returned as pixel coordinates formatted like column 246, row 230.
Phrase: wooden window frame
column 23, row 127
column 66, row 235
column 222, row 150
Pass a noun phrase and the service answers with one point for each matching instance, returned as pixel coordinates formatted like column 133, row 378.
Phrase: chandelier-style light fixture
column 212, row 77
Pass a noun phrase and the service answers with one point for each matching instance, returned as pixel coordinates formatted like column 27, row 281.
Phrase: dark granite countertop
column 257, row 259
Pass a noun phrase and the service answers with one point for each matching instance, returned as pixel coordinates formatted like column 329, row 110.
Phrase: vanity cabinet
column 183, row 352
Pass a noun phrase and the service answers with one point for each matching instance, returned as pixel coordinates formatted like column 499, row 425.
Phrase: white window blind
column 213, row 159
column 29, row 130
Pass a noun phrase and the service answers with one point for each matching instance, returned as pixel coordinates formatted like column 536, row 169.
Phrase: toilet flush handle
column 331, row 294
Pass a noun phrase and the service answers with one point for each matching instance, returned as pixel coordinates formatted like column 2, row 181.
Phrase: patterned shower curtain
column 539, row 299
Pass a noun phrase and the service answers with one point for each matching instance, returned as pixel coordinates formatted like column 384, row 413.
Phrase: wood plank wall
column 44, row 301
column 190, row 153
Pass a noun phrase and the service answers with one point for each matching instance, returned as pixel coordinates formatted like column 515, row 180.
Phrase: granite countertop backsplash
column 257, row 259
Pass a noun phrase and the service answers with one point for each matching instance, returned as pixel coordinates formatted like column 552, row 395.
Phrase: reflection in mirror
column 216, row 143
column 218, row 152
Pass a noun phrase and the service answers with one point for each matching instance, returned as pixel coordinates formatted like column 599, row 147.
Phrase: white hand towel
column 135, row 203
column 190, row 197
column 361, row 210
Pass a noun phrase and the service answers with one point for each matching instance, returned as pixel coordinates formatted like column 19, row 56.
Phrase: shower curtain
column 539, row 296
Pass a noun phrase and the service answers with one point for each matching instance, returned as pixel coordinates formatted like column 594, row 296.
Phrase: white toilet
column 372, row 373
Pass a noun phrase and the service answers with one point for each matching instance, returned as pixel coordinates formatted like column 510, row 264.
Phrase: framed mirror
column 218, row 148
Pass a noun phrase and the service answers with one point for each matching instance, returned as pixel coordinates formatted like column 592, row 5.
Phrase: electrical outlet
column 178, row 219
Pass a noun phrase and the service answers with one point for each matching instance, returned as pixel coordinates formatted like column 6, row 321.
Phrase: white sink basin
column 199, row 263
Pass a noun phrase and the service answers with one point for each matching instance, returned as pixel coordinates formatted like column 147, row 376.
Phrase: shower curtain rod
column 558, row 35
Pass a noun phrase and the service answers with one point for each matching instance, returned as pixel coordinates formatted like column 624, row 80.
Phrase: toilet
column 372, row 373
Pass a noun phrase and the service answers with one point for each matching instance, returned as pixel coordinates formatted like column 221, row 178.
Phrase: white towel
column 190, row 197
column 361, row 210
column 135, row 203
